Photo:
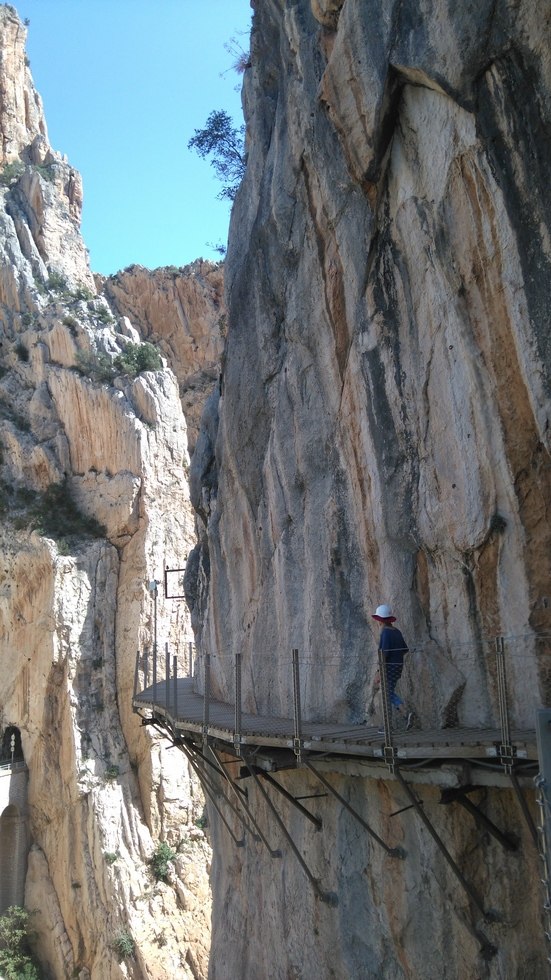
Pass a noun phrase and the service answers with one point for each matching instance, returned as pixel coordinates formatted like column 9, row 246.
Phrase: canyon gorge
column 353, row 409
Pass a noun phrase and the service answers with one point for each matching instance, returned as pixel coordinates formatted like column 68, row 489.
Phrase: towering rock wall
column 382, row 434
column 94, row 503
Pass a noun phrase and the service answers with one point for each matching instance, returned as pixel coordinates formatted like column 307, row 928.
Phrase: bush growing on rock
column 16, row 962
column 56, row 515
column 11, row 173
column 138, row 357
column 96, row 365
column 134, row 359
column 57, row 282
column 124, row 945
column 111, row 774
column 159, row 862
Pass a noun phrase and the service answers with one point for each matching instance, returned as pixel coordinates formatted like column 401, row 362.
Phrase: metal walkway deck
column 181, row 710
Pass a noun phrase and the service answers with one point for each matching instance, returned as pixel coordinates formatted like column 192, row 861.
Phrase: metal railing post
column 154, row 590
column 136, row 674
column 297, row 740
column 175, row 686
column 167, row 676
column 146, row 668
column 154, row 675
column 388, row 748
column 506, row 751
column 237, row 718
column 206, row 699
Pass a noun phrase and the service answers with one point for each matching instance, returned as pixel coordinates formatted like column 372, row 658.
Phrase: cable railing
column 162, row 670
column 491, row 685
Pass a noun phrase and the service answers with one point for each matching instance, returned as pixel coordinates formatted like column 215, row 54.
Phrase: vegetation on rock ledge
column 159, row 862
column 16, row 962
column 134, row 359
column 53, row 514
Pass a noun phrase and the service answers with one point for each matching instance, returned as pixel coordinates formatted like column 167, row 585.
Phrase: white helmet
column 383, row 612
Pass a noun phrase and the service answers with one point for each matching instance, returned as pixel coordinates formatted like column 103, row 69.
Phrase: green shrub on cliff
column 96, row 365
column 16, row 962
column 11, row 173
column 159, row 862
column 53, row 514
column 138, row 357
column 134, row 359
column 124, row 945
column 56, row 515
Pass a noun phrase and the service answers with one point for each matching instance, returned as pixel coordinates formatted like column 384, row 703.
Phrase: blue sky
column 124, row 84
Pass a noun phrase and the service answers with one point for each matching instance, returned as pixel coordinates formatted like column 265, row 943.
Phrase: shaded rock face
column 383, row 421
column 382, row 432
column 182, row 311
column 94, row 501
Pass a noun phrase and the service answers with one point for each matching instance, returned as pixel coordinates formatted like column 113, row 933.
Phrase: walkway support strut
column 468, row 888
column 396, row 852
column 329, row 897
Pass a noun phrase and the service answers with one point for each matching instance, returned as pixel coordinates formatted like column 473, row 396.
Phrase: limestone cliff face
column 182, row 311
column 382, row 432
column 75, row 563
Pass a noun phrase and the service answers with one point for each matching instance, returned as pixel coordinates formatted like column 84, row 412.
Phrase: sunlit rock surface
column 182, row 311
column 74, row 601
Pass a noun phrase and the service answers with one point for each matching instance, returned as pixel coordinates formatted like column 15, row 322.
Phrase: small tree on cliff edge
column 220, row 139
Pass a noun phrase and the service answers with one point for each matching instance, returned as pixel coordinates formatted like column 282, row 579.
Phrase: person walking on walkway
column 393, row 647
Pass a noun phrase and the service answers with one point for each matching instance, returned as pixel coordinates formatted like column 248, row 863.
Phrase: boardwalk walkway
column 207, row 730
column 181, row 710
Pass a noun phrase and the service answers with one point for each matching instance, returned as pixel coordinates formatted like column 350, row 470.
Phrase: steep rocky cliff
column 94, row 504
column 382, row 434
column 182, row 311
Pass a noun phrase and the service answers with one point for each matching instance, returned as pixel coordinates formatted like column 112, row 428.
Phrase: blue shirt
column 393, row 645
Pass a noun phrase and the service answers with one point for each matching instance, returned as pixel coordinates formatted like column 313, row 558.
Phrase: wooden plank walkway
column 360, row 741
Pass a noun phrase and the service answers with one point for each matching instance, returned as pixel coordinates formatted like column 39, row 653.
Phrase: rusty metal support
column 210, row 792
column 396, row 852
column 524, row 807
column 289, row 796
column 506, row 751
column 459, row 795
column 227, row 781
column 242, row 797
column 468, row 888
column 329, row 897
